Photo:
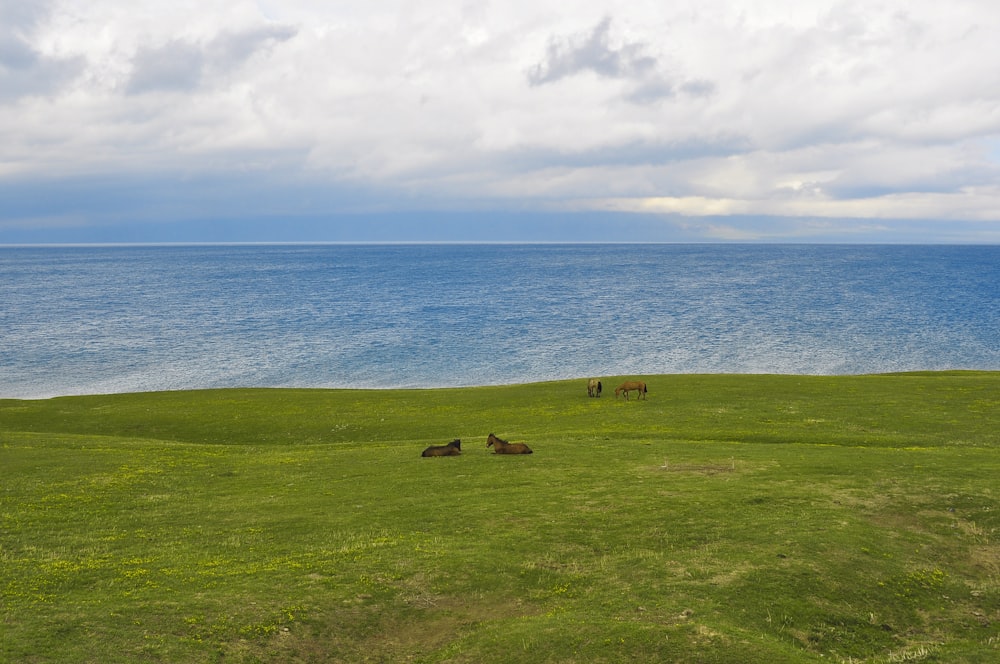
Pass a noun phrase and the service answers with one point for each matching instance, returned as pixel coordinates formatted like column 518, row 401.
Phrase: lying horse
column 593, row 388
column 628, row 386
column 454, row 448
column 501, row 446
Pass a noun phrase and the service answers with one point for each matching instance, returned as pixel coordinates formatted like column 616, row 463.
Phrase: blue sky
column 476, row 120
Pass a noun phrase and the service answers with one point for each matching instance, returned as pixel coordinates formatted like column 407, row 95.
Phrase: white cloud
column 824, row 108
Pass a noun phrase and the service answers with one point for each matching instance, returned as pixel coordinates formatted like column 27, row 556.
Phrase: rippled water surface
column 76, row 320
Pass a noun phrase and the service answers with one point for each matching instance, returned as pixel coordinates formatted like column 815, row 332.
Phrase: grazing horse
column 454, row 448
column 628, row 386
column 594, row 388
column 501, row 446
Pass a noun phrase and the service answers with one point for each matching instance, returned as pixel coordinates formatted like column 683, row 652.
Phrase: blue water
column 81, row 320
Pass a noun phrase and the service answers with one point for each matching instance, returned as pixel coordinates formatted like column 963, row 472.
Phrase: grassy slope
column 725, row 519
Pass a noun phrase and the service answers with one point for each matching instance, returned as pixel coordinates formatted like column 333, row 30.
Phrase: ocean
column 106, row 319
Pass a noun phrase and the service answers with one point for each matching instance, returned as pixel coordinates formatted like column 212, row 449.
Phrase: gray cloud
column 174, row 66
column 183, row 65
column 233, row 49
column 698, row 88
column 633, row 153
column 25, row 71
column 657, row 88
column 591, row 52
column 16, row 53
column 652, row 91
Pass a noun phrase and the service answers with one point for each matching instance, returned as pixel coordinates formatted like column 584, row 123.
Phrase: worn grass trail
column 725, row 519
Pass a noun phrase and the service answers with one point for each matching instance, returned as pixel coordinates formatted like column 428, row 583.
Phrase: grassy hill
column 723, row 519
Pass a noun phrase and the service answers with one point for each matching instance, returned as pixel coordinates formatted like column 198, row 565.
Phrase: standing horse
column 628, row 386
column 501, row 446
column 454, row 448
column 594, row 388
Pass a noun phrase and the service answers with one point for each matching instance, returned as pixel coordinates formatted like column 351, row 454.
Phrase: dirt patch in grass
column 433, row 627
column 369, row 630
column 986, row 557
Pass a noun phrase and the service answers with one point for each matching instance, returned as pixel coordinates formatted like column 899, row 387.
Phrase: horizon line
column 263, row 243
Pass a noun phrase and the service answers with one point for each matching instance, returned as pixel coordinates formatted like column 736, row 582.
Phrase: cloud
column 172, row 66
column 25, row 70
column 631, row 154
column 832, row 107
column 591, row 52
column 972, row 204
column 658, row 88
column 182, row 65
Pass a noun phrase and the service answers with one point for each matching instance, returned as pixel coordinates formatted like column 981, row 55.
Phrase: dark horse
column 594, row 388
column 501, row 446
column 628, row 386
column 454, row 448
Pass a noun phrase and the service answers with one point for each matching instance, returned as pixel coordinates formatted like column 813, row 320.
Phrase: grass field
column 724, row 519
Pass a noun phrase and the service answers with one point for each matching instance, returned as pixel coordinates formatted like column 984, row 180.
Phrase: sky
column 480, row 120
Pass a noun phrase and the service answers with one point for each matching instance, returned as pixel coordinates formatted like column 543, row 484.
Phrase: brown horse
column 501, row 446
column 454, row 448
column 594, row 388
column 628, row 386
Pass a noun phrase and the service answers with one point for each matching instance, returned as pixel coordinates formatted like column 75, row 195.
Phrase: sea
column 110, row 319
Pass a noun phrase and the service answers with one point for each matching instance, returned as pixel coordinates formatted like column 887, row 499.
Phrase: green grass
column 724, row 519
